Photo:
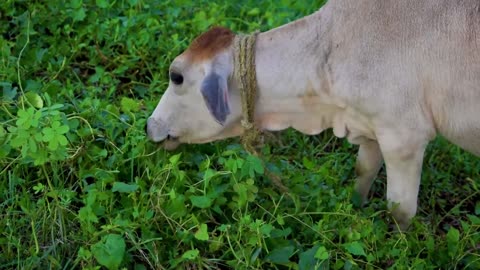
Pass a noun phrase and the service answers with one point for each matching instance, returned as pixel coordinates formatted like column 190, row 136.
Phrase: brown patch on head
column 210, row 43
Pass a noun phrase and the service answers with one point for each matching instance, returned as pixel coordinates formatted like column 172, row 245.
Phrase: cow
column 386, row 75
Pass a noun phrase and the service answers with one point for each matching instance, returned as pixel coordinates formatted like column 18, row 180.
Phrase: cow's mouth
column 171, row 143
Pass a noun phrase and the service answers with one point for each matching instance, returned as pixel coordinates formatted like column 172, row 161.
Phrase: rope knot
column 246, row 124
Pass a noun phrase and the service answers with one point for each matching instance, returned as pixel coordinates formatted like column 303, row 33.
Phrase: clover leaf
column 28, row 118
column 54, row 135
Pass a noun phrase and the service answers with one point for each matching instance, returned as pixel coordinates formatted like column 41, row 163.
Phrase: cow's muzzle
column 158, row 131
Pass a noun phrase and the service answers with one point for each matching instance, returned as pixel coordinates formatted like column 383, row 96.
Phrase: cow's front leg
column 403, row 161
column 369, row 161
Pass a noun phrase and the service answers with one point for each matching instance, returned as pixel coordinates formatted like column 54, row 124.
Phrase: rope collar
column 245, row 75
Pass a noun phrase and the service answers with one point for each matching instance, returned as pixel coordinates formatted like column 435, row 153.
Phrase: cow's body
column 388, row 75
column 417, row 60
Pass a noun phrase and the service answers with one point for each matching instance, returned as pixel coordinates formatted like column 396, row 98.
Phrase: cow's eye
column 176, row 78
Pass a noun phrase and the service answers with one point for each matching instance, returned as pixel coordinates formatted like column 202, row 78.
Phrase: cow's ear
column 214, row 90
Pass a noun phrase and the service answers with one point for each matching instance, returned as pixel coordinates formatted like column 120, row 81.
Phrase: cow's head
column 200, row 104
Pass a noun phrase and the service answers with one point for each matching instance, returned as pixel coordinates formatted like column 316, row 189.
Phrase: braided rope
column 245, row 75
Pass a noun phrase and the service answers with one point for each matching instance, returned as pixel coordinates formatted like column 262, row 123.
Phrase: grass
column 81, row 188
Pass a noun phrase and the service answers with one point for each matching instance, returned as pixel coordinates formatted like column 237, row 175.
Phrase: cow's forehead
column 209, row 44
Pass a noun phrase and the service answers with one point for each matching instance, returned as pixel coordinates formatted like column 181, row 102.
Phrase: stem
column 37, row 247
column 18, row 63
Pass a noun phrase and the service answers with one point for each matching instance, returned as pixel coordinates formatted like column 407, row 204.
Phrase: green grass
column 82, row 188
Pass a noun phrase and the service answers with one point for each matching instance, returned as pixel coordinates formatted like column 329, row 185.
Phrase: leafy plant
column 81, row 187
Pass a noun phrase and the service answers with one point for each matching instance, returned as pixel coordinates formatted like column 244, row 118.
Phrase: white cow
column 388, row 75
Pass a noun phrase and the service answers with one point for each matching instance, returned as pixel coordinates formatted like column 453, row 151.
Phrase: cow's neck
column 293, row 82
